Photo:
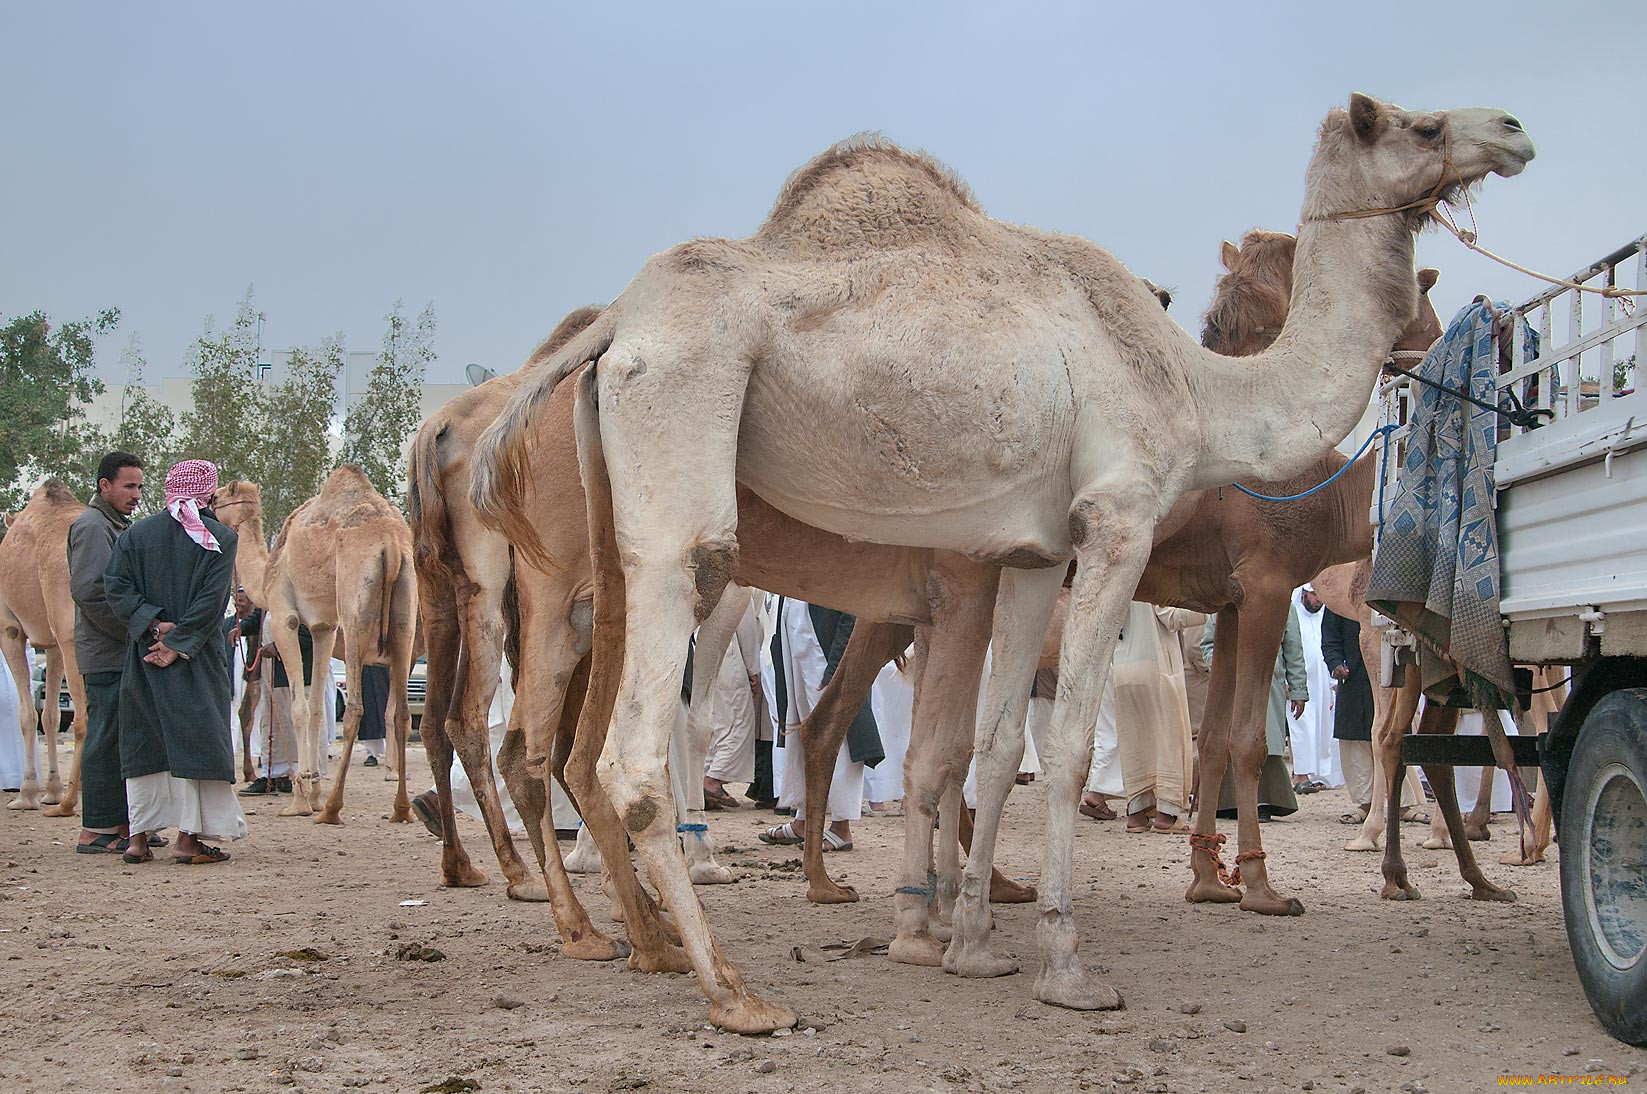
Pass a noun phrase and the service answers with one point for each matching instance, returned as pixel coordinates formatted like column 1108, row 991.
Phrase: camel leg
column 678, row 552
column 1446, row 799
column 1212, row 746
column 62, row 622
column 50, row 720
column 1002, row 889
column 353, row 708
column 1263, row 622
column 1025, row 602
column 11, row 645
column 949, row 661
column 715, row 636
column 870, row 646
column 1111, row 524
column 282, row 619
column 446, row 672
column 244, row 715
column 402, row 629
column 1396, row 718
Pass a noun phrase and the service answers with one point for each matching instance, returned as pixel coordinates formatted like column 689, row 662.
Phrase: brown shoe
column 427, row 807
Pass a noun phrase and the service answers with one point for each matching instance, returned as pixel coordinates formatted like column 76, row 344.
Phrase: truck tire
column 1604, row 862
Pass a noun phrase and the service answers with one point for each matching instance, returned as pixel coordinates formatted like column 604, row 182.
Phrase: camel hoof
column 750, row 1014
column 943, row 932
column 296, row 809
column 1476, row 835
column 1515, row 858
column 672, row 958
column 25, row 801
column 1392, row 891
column 531, row 891
column 1271, row 904
column 61, row 809
column 1437, row 843
column 1211, row 892
column 977, row 962
column 828, row 892
column 466, row 876
column 594, row 947
column 54, row 791
column 402, row 814
column 1488, row 891
column 710, row 873
column 1361, row 843
column 1003, row 890
column 1076, row 989
column 328, row 816
column 920, row 949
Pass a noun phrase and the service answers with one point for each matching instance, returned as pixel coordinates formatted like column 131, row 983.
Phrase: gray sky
column 511, row 161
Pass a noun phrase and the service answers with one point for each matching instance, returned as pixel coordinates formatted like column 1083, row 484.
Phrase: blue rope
column 1334, row 477
column 911, row 891
column 691, row 828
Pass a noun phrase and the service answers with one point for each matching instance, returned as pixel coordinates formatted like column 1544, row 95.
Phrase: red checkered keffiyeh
column 189, row 485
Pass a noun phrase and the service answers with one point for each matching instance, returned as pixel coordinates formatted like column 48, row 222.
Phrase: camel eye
column 1512, row 122
column 1429, row 131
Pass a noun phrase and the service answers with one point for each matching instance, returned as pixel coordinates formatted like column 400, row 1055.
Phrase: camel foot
column 532, row 890
column 1077, row 989
column 977, row 961
column 826, row 891
column 1362, row 843
column 1271, row 903
column 943, row 932
column 54, row 791
column 1203, row 891
column 710, row 873
column 28, row 797
column 1437, row 843
column 1533, row 857
column 918, row 949
column 594, row 946
column 750, row 1014
column 1003, row 890
column 328, row 816
column 1486, row 890
column 1476, row 833
column 467, row 876
column 1404, row 891
column 64, row 808
column 670, row 958
column 402, row 814
column 297, row 808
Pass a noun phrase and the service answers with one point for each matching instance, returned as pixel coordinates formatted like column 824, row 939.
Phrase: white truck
column 1572, row 528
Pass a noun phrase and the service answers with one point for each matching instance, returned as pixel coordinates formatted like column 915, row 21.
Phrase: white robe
column 893, row 701
column 1313, row 754
column 11, row 732
column 803, row 669
column 733, row 719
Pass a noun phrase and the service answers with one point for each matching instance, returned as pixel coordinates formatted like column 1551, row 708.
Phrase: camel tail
column 433, row 551
column 389, row 575
column 498, row 484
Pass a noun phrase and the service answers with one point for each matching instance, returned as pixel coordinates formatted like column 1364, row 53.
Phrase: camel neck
column 1273, row 414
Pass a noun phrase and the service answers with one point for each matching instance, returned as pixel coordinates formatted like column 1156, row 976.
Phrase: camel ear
column 1228, row 253
column 1366, row 119
column 1427, row 279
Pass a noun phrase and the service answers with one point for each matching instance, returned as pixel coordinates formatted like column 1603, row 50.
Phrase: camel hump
column 866, row 190
column 57, row 492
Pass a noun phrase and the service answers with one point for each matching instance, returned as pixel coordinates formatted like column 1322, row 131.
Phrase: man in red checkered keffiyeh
column 189, row 485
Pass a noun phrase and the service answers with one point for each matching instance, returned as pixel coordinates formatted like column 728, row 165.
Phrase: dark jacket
column 1341, row 645
column 99, row 638
column 175, row 718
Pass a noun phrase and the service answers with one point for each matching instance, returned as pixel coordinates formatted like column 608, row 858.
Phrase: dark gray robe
column 175, row 718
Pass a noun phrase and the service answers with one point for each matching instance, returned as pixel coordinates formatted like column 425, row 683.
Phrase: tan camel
column 931, row 377
column 36, row 607
column 343, row 561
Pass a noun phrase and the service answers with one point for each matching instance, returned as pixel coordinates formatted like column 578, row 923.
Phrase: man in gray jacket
column 100, row 646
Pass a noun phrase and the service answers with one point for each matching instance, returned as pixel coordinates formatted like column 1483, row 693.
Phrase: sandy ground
column 165, row 977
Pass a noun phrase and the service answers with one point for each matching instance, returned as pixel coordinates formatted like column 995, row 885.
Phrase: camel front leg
column 1111, row 525
column 63, row 623
column 283, row 621
column 1396, row 718
column 1023, row 607
column 17, row 662
column 51, row 721
column 1212, row 745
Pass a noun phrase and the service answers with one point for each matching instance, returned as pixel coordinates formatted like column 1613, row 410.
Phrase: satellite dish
column 478, row 374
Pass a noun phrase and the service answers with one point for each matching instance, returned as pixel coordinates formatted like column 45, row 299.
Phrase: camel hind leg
column 402, row 628
column 352, row 711
column 678, row 553
column 11, row 646
column 62, row 622
column 50, row 722
column 1446, row 799
column 445, row 668
column 1212, row 747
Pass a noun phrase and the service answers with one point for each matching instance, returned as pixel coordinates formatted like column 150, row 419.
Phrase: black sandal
column 104, row 843
column 206, row 856
column 131, row 859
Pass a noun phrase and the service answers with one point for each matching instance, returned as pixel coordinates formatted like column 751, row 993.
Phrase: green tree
column 147, row 427
column 225, row 424
column 46, row 383
column 297, row 453
column 378, row 427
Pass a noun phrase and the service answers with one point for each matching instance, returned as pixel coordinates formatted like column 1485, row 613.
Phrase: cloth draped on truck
column 1436, row 569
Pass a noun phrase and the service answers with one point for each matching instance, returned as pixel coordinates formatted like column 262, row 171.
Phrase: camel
column 343, row 560
column 36, row 607
column 934, row 378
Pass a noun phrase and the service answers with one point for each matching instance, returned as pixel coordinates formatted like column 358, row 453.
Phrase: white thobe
column 11, row 729
column 1313, row 754
column 803, row 669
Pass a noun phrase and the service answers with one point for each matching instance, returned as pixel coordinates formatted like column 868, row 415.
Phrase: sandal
column 718, row 799
column 1358, row 816
column 832, row 842
column 1411, row 814
column 782, row 835
column 137, row 860
column 1099, row 812
column 1177, row 827
column 105, row 843
column 894, row 808
column 206, row 856
column 1139, row 827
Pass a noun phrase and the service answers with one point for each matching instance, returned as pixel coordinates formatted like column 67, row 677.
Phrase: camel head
column 1250, row 301
column 237, row 502
column 1378, row 156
